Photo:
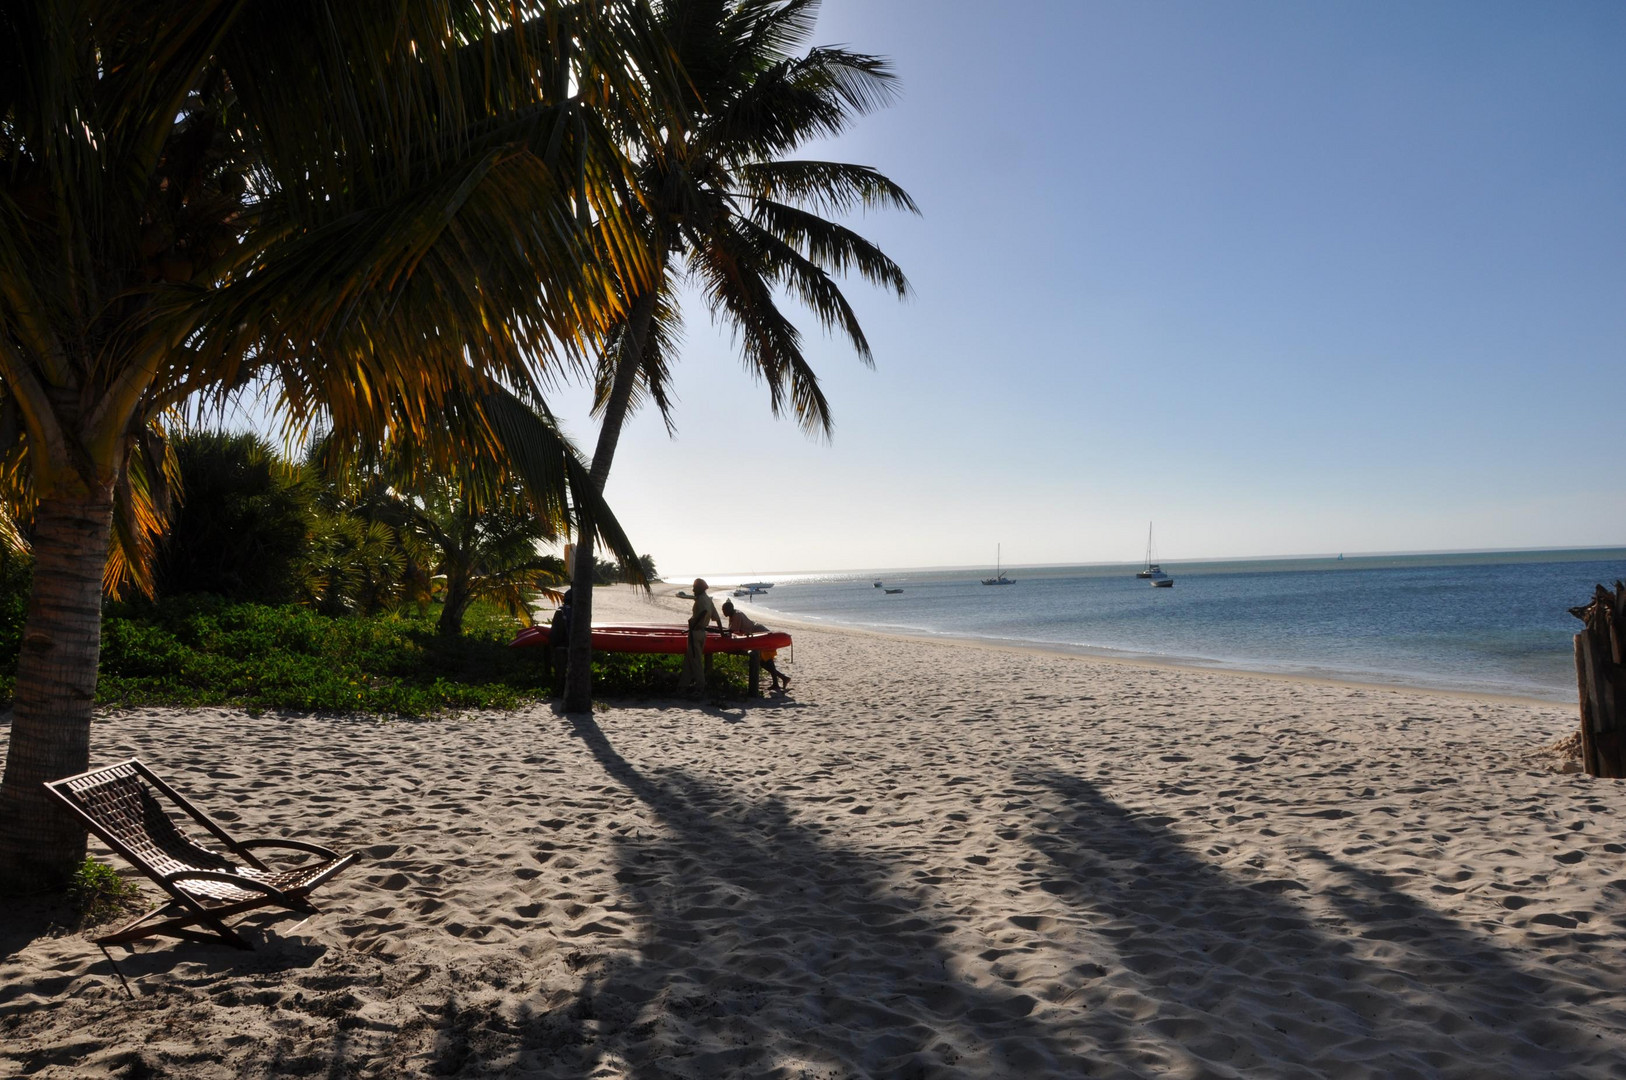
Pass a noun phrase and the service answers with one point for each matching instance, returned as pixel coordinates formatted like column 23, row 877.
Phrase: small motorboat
column 891, row 591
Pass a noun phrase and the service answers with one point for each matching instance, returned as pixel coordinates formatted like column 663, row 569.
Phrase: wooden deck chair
column 121, row 804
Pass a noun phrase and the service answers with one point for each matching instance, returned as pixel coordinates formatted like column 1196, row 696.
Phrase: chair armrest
column 295, row 845
column 227, row 879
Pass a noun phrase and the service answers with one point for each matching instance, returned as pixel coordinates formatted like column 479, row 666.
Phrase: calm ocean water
column 1495, row 623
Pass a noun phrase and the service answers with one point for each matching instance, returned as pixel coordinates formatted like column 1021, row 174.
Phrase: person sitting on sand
column 741, row 623
column 694, row 661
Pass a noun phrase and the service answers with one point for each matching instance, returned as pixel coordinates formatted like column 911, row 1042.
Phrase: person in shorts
column 741, row 623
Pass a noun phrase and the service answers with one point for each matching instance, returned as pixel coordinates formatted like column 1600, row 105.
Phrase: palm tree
column 398, row 215
column 480, row 535
column 721, row 201
column 353, row 565
column 487, row 547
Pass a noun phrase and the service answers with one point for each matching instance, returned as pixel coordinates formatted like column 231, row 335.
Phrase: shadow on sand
column 761, row 948
column 1386, row 987
column 745, row 970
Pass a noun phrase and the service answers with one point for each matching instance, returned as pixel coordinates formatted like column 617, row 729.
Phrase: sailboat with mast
column 998, row 578
column 1153, row 572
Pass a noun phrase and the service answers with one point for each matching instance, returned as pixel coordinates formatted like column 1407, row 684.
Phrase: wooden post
column 1600, row 676
column 753, row 685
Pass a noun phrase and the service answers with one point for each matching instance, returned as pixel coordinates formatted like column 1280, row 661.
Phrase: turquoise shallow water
column 1492, row 623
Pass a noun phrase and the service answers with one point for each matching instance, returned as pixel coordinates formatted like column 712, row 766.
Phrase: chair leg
column 128, row 931
column 178, row 926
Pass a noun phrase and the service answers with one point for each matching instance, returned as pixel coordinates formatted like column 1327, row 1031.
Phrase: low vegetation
column 277, row 587
column 99, row 894
column 203, row 650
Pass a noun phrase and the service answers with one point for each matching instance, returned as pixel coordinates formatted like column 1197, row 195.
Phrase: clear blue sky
column 1282, row 277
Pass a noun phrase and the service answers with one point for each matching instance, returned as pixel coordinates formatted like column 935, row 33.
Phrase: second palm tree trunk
column 578, row 695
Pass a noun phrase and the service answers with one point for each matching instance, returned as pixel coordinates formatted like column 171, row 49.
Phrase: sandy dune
column 928, row 860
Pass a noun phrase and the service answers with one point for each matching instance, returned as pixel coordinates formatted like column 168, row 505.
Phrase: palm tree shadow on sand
column 766, row 950
column 1239, row 977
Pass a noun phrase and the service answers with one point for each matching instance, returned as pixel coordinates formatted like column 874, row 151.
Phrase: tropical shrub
column 241, row 528
column 98, row 894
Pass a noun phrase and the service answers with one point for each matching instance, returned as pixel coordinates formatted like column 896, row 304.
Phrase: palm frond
column 786, row 268
column 795, row 101
column 142, row 500
column 831, row 246
column 738, row 285
column 545, row 460
column 824, row 187
column 660, row 352
column 776, row 27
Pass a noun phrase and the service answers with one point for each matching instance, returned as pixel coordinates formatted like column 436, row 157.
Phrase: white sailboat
column 998, row 578
column 1153, row 572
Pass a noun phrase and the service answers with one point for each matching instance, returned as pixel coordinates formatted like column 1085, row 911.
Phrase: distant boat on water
column 877, row 584
column 893, row 590
column 998, row 578
column 1153, row 572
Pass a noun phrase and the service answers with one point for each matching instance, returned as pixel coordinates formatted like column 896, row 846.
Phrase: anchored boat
column 1153, row 572
column 998, row 578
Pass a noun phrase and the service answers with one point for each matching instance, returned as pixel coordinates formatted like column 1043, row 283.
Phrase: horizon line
column 674, row 578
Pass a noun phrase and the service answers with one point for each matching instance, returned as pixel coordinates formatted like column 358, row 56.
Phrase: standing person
column 694, row 661
column 559, row 638
column 741, row 623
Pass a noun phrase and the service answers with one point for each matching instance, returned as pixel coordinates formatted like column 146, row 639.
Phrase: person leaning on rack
column 741, row 623
column 694, row 660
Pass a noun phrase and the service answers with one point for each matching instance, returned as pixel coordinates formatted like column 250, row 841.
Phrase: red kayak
column 662, row 639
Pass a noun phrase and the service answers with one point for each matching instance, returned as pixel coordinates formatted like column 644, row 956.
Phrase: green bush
column 640, row 675
column 242, row 522
column 99, row 894
column 201, row 650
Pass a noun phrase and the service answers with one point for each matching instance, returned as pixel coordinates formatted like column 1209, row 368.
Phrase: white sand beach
column 928, row 860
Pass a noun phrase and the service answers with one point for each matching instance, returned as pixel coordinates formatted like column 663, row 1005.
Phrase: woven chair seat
column 124, row 805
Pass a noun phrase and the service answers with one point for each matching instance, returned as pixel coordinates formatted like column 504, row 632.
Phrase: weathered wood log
column 1617, row 624
column 1600, row 678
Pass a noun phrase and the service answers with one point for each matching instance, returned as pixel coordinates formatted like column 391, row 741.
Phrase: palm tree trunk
column 458, row 599
column 41, row 843
column 578, row 695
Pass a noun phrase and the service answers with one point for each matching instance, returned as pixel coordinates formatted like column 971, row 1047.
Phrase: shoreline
column 1136, row 660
